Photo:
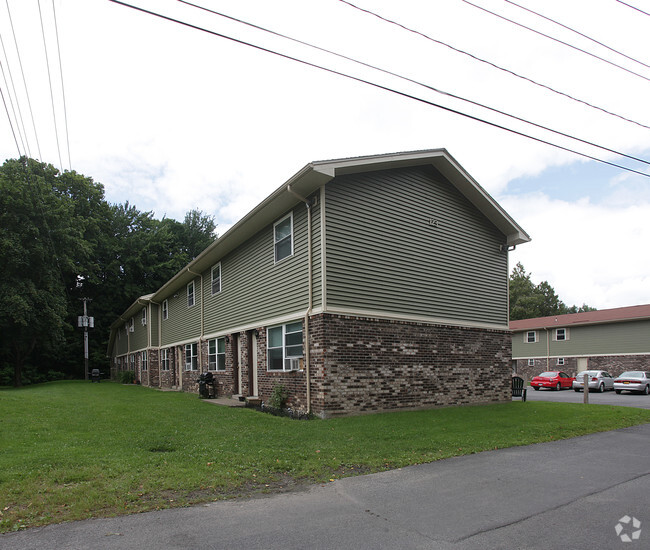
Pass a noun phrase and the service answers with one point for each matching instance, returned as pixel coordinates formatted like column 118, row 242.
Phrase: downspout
column 201, row 335
column 310, row 277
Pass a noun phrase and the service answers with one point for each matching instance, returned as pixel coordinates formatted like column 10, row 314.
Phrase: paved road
column 559, row 495
column 624, row 399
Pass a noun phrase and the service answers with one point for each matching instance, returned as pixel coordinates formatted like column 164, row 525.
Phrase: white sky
column 170, row 119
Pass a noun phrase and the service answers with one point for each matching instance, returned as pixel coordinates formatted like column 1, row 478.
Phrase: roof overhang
column 316, row 174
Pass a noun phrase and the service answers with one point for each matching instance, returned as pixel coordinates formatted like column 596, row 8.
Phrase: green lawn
column 73, row 450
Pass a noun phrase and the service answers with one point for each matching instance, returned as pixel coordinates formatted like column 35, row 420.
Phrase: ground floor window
column 284, row 347
column 217, row 354
column 164, row 359
column 531, row 362
column 132, row 362
column 560, row 360
column 191, row 357
column 145, row 364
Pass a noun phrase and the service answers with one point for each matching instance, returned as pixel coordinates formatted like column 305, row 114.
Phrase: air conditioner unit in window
column 292, row 363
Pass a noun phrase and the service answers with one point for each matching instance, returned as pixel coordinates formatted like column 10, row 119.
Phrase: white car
column 599, row 380
column 635, row 380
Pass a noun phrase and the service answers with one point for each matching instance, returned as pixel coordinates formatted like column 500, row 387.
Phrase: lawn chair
column 518, row 389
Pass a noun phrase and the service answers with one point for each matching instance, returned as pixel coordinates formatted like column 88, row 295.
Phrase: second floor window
column 531, row 337
column 143, row 318
column 283, row 238
column 216, row 279
column 190, row 294
column 561, row 334
column 165, row 309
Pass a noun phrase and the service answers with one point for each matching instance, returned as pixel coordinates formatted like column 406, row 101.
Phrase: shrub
column 279, row 397
column 127, row 377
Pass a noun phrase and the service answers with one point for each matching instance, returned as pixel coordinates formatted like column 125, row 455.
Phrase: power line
column 10, row 123
column 491, row 64
column 556, row 40
column 65, row 109
column 442, row 92
column 49, row 77
column 633, row 7
column 22, row 71
column 379, row 86
column 578, row 33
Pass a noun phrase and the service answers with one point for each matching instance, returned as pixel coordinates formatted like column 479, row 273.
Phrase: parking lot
column 624, row 399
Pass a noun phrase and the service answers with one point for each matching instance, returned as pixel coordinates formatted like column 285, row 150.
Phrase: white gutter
column 310, row 282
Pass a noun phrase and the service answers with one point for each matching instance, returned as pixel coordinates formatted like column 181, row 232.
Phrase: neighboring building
column 614, row 340
column 361, row 284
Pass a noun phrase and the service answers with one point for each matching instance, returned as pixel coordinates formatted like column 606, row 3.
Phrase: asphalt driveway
column 581, row 493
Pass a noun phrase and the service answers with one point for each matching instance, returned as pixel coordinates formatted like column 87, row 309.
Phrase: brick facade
column 366, row 365
column 358, row 365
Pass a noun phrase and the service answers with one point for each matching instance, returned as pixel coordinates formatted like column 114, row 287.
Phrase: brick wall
column 362, row 365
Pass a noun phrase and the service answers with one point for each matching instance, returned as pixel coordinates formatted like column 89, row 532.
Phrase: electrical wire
column 556, row 40
column 437, row 90
column 22, row 71
column 10, row 123
column 378, row 86
column 11, row 102
column 49, row 78
column 578, row 33
column 495, row 66
column 633, row 7
column 65, row 108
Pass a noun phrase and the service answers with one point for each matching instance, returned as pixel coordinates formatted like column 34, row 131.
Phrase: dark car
column 554, row 380
column 635, row 380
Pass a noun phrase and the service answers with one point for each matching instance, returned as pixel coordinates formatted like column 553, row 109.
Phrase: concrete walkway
column 564, row 494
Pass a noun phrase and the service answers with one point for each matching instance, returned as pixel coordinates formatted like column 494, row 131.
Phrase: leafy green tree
column 528, row 300
column 41, row 243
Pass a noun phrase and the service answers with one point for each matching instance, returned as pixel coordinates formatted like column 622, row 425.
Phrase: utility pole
column 86, row 322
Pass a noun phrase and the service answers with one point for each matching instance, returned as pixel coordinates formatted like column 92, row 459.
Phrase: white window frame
column 275, row 240
column 144, row 363
column 165, row 310
column 143, row 317
column 560, row 361
column 131, row 325
column 216, row 280
column 191, row 300
column 527, row 340
column 193, row 363
column 216, row 358
column 565, row 334
column 132, row 362
column 531, row 362
column 288, row 350
column 164, row 359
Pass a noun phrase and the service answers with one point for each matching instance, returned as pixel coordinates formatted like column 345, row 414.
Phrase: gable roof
column 587, row 318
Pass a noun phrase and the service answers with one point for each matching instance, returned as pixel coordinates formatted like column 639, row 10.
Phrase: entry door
column 583, row 363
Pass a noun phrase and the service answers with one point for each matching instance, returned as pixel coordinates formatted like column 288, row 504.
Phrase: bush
column 279, row 397
column 127, row 377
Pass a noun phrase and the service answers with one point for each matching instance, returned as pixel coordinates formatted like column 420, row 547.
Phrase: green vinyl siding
column 407, row 241
column 121, row 343
column 254, row 287
column 139, row 337
column 183, row 322
column 620, row 338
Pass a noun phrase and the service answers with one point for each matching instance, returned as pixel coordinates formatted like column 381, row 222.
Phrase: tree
column 528, row 300
column 41, row 241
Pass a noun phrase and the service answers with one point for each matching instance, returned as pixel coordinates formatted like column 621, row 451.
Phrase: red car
column 554, row 380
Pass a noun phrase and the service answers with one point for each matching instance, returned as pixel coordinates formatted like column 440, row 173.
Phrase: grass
column 74, row 450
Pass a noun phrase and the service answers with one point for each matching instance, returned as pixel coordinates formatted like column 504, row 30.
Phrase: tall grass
column 73, row 450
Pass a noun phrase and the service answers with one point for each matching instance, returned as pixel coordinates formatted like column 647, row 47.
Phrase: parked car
column 554, row 380
column 599, row 380
column 634, row 380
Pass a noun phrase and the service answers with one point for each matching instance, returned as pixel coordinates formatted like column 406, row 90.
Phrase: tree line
column 528, row 300
column 61, row 241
